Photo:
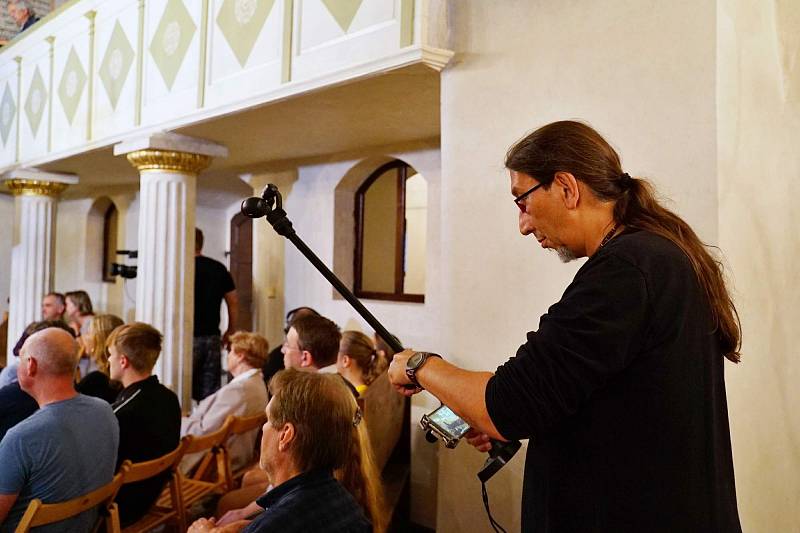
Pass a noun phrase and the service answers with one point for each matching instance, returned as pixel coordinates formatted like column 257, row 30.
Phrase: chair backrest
column 147, row 469
column 243, row 424
column 39, row 514
column 383, row 414
column 207, row 442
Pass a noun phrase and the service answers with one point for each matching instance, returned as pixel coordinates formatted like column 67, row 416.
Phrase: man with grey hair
column 22, row 13
column 65, row 449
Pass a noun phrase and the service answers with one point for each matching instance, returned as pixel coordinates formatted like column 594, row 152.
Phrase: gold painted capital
column 169, row 161
column 22, row 187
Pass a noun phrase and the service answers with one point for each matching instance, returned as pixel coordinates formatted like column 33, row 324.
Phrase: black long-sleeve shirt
column 622, row 393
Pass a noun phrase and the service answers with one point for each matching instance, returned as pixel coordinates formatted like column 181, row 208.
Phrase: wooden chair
column 39, row 514
column 158, row 515
column 203, row 481
column 240, row 425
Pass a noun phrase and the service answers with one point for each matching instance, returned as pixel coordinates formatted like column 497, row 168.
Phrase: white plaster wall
column 643, row 74
column 72, row 271
column 310, row 206
column 759, row 182
column 6, row 236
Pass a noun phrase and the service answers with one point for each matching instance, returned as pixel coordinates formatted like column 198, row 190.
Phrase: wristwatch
column 415, row 362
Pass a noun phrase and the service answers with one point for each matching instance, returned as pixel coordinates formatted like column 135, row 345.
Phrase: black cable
column 495, row 524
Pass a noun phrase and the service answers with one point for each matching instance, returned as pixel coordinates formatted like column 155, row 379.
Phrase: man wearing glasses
column 621, row 388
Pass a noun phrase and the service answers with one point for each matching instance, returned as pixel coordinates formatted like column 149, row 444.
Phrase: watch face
column 415, row 360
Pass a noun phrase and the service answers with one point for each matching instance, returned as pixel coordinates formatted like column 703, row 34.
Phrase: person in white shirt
column 245, row 395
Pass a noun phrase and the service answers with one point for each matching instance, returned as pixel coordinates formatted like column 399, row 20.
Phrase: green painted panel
column 241, row 22
column 172, row 39
column 344, row 11
column 8, row 110
column 73, row 81
column 117, row 63
column 34, row 104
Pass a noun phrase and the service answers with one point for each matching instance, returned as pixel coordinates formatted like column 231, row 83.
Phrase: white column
column 168, row 166
column 35, row 199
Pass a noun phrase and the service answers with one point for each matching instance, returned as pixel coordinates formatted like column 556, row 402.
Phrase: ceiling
column 390, row 109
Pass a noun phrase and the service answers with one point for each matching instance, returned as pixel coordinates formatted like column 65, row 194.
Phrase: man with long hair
column 621, row 389
column 314, row 429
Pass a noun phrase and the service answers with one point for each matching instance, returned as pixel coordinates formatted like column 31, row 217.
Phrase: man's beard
column 565, row 254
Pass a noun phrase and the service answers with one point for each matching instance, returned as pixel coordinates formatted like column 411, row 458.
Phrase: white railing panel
column 116, row 68
column 9, row 112
column 245, row 50
column 172, row 59
column 71, row 80
column 330, row 36
column 35, row 101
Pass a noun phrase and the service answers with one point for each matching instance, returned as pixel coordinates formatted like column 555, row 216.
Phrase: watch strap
column 411, row 372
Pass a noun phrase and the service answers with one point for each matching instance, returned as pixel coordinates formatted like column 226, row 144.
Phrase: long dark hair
column 573, row 147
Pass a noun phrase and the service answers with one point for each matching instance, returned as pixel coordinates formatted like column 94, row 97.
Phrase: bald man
column 65, row 449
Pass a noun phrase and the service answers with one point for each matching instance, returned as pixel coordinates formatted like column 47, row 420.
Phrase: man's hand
column 479, row 440
column 202, row 525
column 397, row 374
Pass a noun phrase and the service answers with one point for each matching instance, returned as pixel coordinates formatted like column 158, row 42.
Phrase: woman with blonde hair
column 358, row 361
column 96, row 382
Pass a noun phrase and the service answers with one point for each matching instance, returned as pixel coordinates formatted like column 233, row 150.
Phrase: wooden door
column 242, row 268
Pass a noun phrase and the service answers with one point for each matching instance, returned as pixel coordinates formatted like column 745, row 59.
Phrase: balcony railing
column 98, row 71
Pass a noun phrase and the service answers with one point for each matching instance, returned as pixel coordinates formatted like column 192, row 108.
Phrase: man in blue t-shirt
column 67, row 448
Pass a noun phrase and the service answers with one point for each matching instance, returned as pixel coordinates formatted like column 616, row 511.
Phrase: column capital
column 35, row 182
column 170, row 152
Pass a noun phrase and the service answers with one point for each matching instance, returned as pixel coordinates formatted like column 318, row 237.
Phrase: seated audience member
column 245, row 395
column 53, row 307
column 64, row 450
column 79, row 312
column 149, row 413
column 275, row 360
column 15, row 404
column 313, row 429
column 358, row 362
column 312, row 343
column 97, row 383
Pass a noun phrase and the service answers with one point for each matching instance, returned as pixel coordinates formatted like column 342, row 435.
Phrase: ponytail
column 576, row 148
column 361, row 478
column 361, row 349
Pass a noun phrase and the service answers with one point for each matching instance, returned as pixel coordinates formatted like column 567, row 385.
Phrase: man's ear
column 567, row 186
column 287, row 437
column 306, row 359
column 124, row 362
column 32, row 366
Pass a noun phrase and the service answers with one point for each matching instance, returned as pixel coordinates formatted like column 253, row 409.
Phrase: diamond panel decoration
column 116, row 64
column 34, row 104
column 8, row 109
column 344, row 11
column 72, row 84
column 241, row 22
column 171, row 40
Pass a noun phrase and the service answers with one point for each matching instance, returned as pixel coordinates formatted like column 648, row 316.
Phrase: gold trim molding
column 167, row 160
column 22, row 187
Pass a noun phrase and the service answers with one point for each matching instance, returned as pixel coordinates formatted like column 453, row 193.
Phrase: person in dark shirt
column 622, row 388
column 307, row 409
column 212, row 284
column 149, row 414
column 15, row 404
column 275, row 360
column 97, row 382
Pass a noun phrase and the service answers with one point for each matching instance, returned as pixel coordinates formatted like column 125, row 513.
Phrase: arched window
column 109, row 241
column 391, row 215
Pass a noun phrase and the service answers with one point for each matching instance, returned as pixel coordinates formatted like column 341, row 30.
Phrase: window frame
column 400, row 232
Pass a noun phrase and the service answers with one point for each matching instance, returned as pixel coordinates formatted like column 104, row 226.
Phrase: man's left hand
column 397, row 374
